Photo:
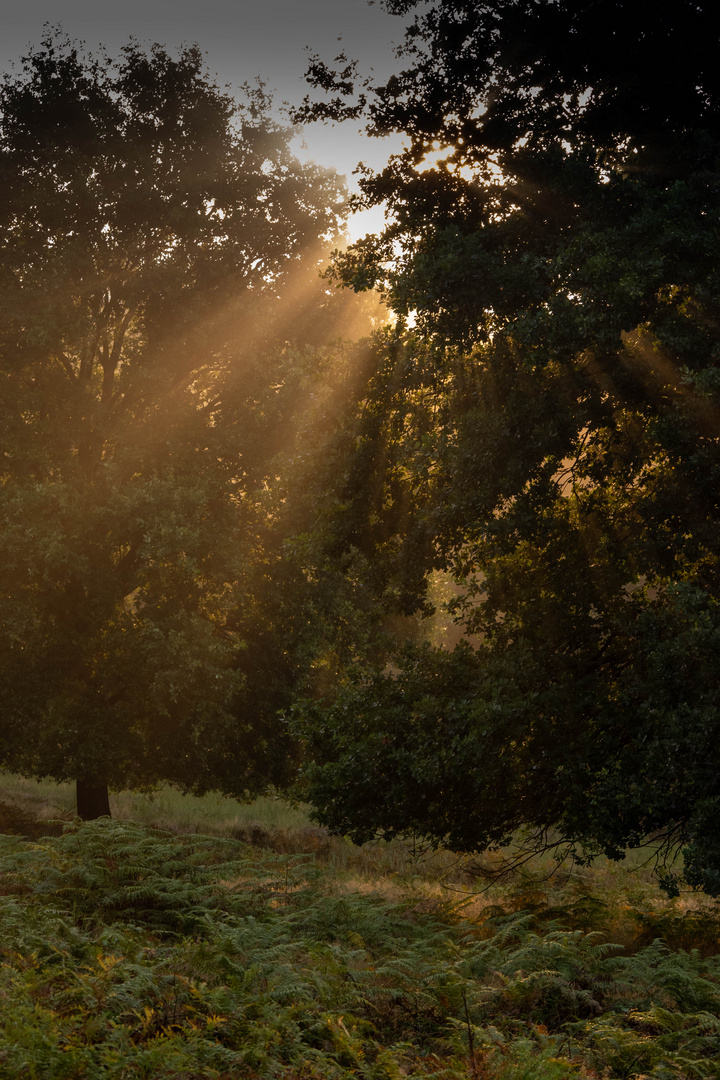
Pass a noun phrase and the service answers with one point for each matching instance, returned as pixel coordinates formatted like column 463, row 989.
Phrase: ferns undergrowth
column 127, row 953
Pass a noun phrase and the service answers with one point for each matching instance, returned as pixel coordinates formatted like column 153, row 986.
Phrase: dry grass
column 621, row 899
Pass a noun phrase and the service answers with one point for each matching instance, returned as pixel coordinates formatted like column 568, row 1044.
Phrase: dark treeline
column 223, row 531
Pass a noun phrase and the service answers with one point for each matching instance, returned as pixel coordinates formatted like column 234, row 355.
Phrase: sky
column 242, row 40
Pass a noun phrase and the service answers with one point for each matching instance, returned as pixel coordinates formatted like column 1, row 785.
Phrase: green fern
column 127, row 952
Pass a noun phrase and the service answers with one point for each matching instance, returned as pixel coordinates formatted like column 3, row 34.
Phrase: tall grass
column 619, row 899
column 165, row 808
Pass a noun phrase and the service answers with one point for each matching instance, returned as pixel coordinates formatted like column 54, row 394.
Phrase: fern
column 127, row 952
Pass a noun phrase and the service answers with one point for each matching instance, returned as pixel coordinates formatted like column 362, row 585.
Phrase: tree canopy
column 547, row 431
column 150, row 231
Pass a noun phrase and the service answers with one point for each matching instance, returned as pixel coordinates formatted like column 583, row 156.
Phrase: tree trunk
column 93, row 800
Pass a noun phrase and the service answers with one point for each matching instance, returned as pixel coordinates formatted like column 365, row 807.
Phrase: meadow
column 201, row 938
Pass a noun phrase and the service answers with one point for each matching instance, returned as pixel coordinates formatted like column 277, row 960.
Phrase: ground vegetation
column 131, row 952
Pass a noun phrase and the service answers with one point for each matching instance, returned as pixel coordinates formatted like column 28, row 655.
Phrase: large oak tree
column 551, row 422
column 151, row 230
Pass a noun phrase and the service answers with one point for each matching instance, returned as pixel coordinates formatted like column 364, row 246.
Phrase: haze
column 271, row 39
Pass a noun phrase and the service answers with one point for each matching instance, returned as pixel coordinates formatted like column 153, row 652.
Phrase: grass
column 166, row 808
column 619, row 899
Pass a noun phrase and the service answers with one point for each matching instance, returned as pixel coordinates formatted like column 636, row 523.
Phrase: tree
column 552, row 229
column 148, row 228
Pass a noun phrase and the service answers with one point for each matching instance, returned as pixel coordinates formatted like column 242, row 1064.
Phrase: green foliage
column 546, row 435
column 128, row 952
column 483, row 728
column 151, row 231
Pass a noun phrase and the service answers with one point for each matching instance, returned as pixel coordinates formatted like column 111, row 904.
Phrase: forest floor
column 201, row 938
